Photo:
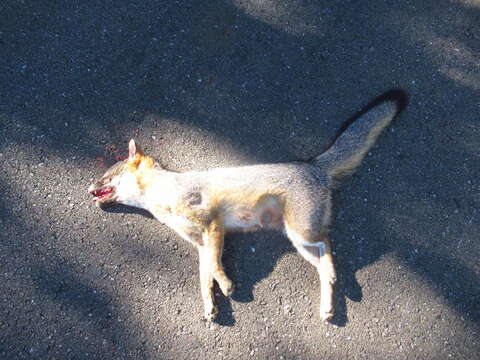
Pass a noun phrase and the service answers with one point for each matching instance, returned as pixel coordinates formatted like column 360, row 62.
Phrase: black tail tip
column 398, row 96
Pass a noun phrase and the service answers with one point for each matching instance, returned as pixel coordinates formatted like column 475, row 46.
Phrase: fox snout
column 102, row 193
column 92, row 188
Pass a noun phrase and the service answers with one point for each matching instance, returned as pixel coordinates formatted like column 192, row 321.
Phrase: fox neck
column 147, row 189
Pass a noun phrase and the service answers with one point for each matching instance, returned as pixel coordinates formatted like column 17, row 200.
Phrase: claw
column 326, row 315
column 210, row 314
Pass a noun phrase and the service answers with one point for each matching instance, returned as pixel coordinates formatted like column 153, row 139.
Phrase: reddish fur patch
column 100, row 162
column 138, row 166
column 140, row 162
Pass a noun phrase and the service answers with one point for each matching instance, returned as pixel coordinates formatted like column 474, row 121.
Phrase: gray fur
column 294, row 197
column 349, row 149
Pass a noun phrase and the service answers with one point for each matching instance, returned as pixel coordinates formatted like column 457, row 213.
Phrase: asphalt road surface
column 203, row 84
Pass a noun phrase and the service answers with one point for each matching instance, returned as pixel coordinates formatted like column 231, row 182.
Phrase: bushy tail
column 358, row 135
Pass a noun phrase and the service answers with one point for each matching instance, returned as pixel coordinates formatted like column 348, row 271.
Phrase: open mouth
column 103, row 193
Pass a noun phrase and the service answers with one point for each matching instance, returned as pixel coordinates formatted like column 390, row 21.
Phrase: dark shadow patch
column 455, row 282
column 225, row 311
column 247, row 268
column 63, row 287
column 124, row 209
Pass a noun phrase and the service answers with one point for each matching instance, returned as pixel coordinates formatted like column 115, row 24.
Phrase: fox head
column 124, row 182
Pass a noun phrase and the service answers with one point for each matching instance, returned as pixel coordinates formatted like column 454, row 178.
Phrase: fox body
column 202, row 206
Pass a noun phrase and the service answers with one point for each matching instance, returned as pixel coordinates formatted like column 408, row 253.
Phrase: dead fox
column 294, row 197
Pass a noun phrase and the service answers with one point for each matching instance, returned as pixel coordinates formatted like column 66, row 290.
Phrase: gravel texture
column 213, row 83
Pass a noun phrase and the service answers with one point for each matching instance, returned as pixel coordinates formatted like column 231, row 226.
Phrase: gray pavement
column 223, row 83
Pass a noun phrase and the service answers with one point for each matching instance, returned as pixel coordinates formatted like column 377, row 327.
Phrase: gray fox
column 201, row 206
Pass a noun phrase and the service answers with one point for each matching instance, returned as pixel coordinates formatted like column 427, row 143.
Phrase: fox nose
column 91, row 188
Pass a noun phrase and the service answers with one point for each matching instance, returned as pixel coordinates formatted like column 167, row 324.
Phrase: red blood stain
column 100, row 162
column 111, row 152
column 111, row 149
column 119, row 157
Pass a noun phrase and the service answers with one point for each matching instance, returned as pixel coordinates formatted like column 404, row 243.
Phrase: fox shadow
column 124, row 209
column 250, row 258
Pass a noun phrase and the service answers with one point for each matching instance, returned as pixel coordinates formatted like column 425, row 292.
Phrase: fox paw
column 227, row 287
column 210, row 313
column 326, row 314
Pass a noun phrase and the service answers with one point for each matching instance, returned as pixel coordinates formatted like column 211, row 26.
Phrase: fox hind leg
column 206, row 286
column 317, row 251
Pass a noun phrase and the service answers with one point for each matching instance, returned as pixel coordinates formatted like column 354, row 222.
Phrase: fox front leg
column 206, row 285
column 211, row 268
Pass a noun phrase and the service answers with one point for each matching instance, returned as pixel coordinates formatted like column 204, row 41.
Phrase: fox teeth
column 99, row 194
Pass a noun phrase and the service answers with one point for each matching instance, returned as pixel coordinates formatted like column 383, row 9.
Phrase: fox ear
column 132, row 149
